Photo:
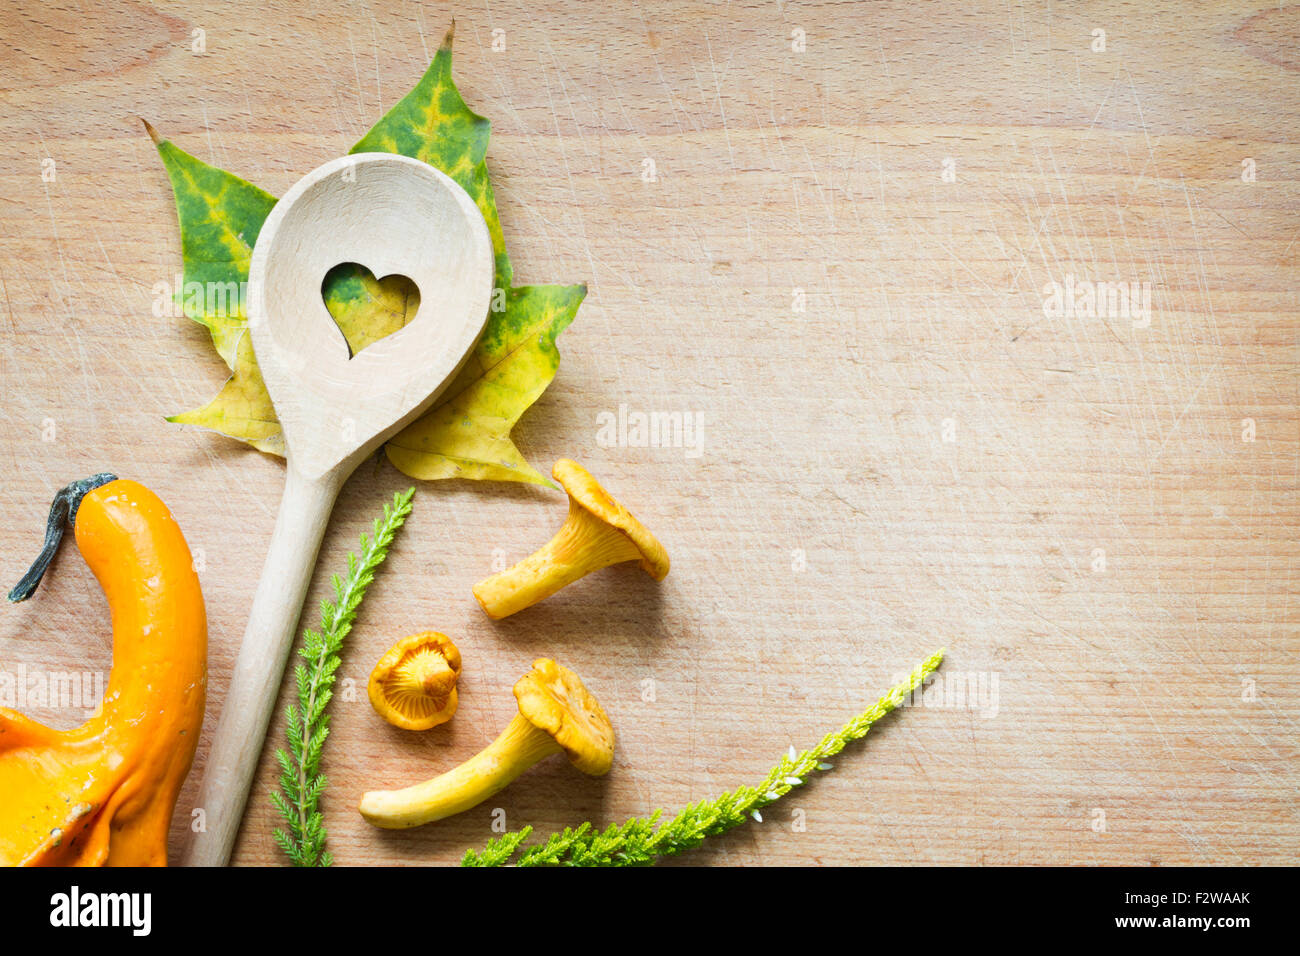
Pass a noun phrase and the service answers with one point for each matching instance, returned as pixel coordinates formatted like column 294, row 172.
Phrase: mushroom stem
column 430, row 672
column 490, row 771
column 584, row 544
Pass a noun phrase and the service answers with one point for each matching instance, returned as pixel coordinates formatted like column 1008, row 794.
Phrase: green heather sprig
column 642, row 840
column 301, row 782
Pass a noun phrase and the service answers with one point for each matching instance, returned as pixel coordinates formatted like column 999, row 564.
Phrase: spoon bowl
column 394, row 215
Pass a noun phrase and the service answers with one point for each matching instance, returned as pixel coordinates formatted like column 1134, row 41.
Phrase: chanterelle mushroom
column 556, row 713
column 414, row 684
column 598, row 532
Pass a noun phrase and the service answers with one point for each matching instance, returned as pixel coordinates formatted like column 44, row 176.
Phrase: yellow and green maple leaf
column 467, row 434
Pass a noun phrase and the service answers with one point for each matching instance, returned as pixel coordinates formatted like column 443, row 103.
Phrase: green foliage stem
column 301, row 782
column 642, row 840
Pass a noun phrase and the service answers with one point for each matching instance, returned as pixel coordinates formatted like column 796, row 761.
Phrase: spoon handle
column 259, row 668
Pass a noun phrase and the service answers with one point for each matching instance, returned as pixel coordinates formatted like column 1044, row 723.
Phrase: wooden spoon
column 392, row 214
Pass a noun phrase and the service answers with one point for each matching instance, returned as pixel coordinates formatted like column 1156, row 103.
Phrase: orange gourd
column 103, row 793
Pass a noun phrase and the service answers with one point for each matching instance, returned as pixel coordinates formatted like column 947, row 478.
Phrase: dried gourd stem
column 63, row 512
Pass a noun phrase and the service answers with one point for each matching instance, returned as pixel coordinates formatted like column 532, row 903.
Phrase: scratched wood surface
column 828, row 233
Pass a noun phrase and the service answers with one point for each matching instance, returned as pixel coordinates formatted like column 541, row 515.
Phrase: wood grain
column 921, row 457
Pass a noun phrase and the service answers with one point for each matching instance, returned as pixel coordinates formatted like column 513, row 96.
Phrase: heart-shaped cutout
column 367, row 309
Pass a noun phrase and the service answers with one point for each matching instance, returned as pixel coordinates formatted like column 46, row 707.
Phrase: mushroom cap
column 594, row 499
column 553, row 699
column 398, row 693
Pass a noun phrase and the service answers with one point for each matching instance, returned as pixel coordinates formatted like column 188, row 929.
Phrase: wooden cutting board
column 852, row 244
